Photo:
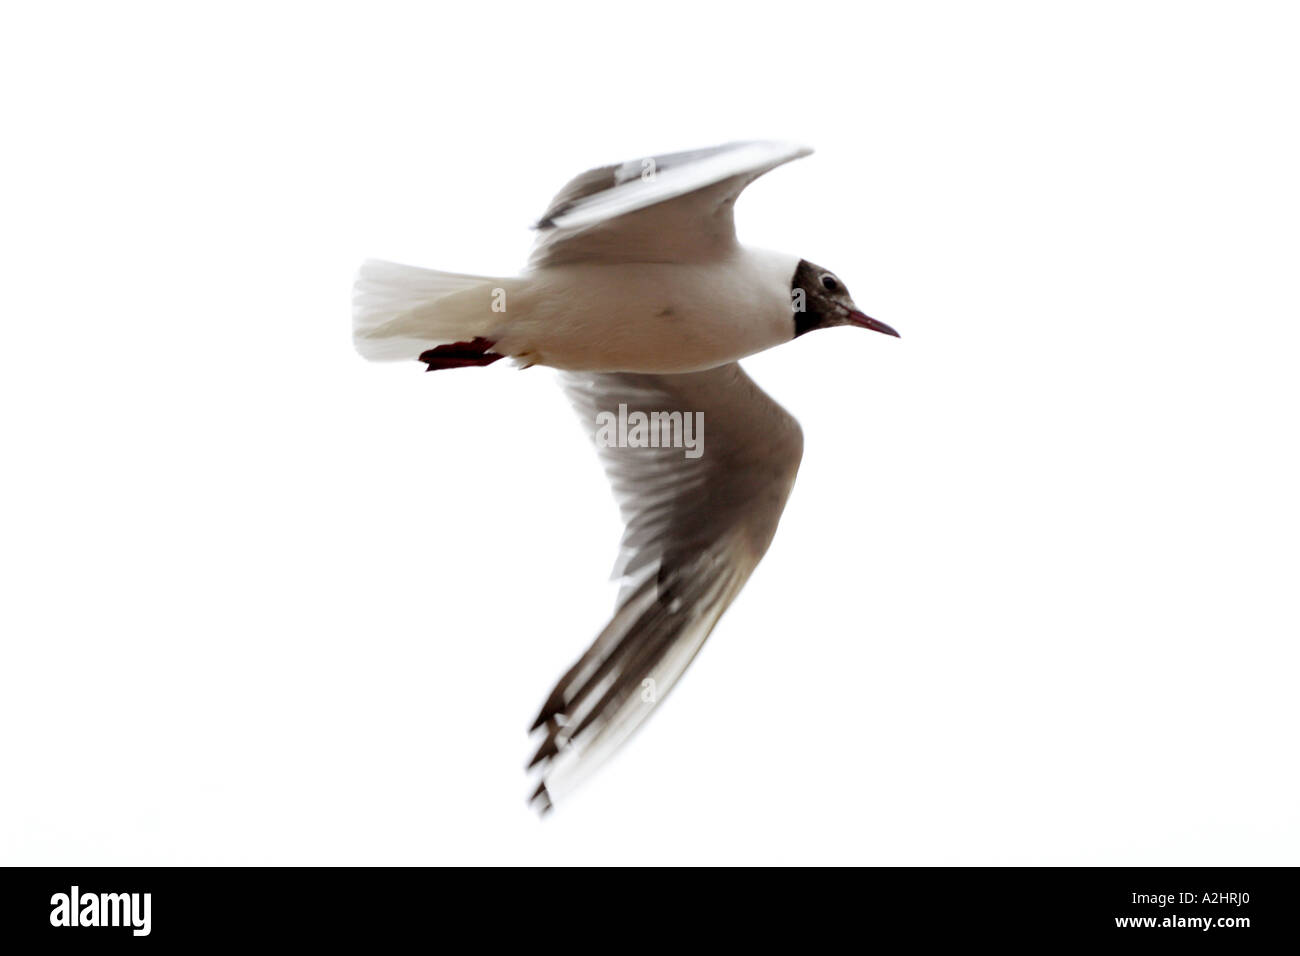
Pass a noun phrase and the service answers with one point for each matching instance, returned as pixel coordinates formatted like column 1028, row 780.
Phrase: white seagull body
column 654, row 317
column 639, row 292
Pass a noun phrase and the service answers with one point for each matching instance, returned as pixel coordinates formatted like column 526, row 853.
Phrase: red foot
column 460, row 355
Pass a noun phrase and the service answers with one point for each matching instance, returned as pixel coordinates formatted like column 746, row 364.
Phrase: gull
column 639, row 293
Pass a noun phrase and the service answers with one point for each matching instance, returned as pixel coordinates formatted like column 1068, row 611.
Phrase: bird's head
column 821, row 301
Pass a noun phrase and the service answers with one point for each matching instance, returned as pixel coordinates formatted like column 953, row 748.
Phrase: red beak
column 867, row 322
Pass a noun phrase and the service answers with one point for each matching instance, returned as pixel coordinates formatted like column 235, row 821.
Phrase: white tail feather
column 399, row 311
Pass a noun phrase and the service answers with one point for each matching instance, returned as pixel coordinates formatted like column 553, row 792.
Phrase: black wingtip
column 541, row 800
column 550, row 710
column 549, row 748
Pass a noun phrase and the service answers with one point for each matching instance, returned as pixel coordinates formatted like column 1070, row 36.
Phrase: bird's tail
column 400, row 312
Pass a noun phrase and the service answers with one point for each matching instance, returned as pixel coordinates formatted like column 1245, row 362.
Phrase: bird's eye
column 830, row 283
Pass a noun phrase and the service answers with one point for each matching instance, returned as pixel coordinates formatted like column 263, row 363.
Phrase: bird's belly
column 665, row 320
column 669, row 338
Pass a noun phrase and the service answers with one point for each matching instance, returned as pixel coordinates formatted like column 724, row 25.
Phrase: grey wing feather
column 694, row 531
column 604, row 178
column 669, row 208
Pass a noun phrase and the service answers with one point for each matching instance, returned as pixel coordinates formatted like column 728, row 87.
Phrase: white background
column 1034, row 596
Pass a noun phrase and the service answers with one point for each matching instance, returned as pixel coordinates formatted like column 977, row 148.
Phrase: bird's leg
column 476, row 352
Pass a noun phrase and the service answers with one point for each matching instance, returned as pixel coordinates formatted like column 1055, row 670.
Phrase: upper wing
column 672, row 208
column 695, row 529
